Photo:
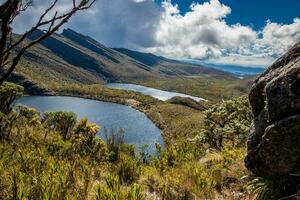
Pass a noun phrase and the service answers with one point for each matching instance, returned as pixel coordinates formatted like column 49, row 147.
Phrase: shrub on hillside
column 29, row 114
column 128, row 169
column 115, row 142
column 9, row 92
column 62, row 122
column 227, row 124
column 87, row 130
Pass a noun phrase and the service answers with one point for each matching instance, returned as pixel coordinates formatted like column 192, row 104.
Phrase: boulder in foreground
column 274, row 140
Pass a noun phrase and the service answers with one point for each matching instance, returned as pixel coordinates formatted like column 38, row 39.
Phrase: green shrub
column 227, row 124
column 136, row 192
column 29, row 114
column 128, row 169
column 86, row 142
column 87, row 130
column 100, row 151
column 9, row 92
column 62, row 122
column 115, row 142
column 111, row 191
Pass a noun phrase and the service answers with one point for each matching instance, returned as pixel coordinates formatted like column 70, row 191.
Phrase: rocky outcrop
column 274, row 140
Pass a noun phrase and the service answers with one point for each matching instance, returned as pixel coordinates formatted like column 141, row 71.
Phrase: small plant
column 115, row 141
column 128, row 169
column 136, row 192
column 227, row 124
column 279, row 187
column 87, row 130
column 9, row 92
column 30, row 114
column 111, row 191
column 62, row 122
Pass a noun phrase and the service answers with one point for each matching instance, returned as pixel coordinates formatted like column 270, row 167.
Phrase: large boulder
column 274, row 140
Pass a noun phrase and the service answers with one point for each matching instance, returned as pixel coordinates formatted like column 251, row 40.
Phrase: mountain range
column 79, row 58
column 72, row 58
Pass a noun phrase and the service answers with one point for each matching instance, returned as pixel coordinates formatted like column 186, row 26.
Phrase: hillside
column 172, row 67
column 81, row 58
column 73, row 58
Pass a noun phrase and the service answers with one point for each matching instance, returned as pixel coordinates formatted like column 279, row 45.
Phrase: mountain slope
column 73, row 58
column 79, row 52
column 92, row 57
column 172, row 67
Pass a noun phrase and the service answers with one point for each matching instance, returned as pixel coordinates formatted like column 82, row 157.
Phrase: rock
column 274, row 140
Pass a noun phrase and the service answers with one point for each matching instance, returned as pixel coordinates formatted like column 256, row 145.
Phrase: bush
column 136, row 192
column 62, row 122
column 87, row 130
column 29, row 114
column 115, row 142
column 100, row 151
column 227, row 124
column 9, row 92
column 128, row 169
column 111, row 191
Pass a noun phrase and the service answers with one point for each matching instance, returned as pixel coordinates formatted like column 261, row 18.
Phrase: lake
column 139, row 129
column 156, row 93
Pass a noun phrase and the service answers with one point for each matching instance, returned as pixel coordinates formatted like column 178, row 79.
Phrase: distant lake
column 138, row 128
column 156, row 93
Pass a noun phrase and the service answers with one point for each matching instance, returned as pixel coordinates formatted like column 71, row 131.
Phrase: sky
column 235, row 32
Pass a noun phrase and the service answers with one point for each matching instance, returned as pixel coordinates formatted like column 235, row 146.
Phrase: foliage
column 62, row 122
column 277, row 187
column 111, row 191
column 8, row 94
column 128, row 169
column 37, row 161
column 87, row 130
column 227, row 123
column 115, row 142
column 136, row 192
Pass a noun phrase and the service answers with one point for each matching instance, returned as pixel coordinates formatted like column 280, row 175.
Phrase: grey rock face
column 274, row 140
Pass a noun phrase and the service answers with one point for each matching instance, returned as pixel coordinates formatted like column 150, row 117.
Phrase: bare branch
column 12, row 8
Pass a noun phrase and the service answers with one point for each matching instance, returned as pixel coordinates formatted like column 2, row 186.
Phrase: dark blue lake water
column 139, row 130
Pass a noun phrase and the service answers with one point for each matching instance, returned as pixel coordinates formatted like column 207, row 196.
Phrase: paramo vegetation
column 57, row 156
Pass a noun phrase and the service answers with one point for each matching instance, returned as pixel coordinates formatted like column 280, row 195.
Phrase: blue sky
column 253, row 12
column 232, row 32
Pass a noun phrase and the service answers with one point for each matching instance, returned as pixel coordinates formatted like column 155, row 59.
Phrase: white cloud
column 276, row 38
column 202, row 33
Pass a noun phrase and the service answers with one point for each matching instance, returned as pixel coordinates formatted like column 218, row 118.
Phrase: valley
column 52, row 63
column 149, row 100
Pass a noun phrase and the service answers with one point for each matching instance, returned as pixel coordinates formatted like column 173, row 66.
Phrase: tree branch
column 10, row 9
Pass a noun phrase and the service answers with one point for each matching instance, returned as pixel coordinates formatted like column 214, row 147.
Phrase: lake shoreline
column 111, row 117
column 169, row 118
column 137, row 106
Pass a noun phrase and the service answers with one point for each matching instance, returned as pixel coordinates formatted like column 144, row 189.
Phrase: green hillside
column 72, row 58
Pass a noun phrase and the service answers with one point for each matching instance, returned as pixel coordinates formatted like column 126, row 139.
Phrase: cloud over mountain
column 202, row 33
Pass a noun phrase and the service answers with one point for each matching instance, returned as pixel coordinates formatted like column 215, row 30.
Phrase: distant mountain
column 71, row 57
column 146, row 58
column 90, row 56
column 171, row 67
